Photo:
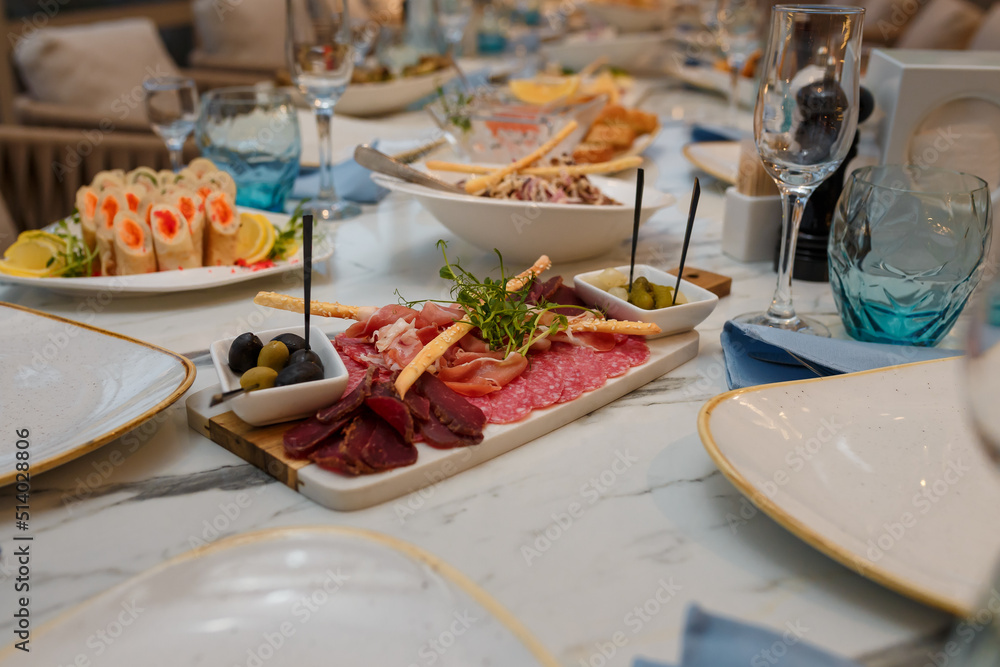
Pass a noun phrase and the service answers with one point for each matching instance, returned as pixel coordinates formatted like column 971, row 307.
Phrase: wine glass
column 453, row 17
column 172, row 109
column 804, row 122
column 320, row 52
column 736, row 30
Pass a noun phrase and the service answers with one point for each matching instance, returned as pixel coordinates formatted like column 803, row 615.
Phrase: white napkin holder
column 751, row 226
column 938, row 109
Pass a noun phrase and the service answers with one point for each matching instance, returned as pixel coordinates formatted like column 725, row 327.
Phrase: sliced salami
column 585, row 371
column 636, row 350
column 544, row 380
column 573, row 380
column 614, row 362
column 510, row 404
column 354, row 349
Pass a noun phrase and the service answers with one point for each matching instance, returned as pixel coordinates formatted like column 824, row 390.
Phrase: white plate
column 291, row 596
column 376, row 99
column 177, row 281
column 568, row 232
column 672, row 320
column 626, row 18
column 879, row 470
column 719, row 159
column 637, row 52
column 351, row 493
column 75, row 387
column 709, row 78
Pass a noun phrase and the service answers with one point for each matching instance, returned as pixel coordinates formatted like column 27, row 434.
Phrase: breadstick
column 615, row 326
column 437, row 347
column 320, row 308
column 571, row 170
column 475, row 185
column 541, row 265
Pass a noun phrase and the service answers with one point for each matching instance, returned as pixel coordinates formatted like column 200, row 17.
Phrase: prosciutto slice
column 479, row 374
column 384, row 316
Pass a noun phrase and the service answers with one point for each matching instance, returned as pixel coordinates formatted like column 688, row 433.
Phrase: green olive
column 663, row 296
column 259, row 377
column 641, row 294
column 273, row 355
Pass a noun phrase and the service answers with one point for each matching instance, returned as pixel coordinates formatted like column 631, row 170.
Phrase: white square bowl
column 294, row 401
column 672, row 320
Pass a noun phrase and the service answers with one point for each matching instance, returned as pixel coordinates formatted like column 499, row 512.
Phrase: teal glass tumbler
column 907, row 247
column 252, row 133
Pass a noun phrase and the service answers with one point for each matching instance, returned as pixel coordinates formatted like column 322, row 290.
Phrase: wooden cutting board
column 262, row 446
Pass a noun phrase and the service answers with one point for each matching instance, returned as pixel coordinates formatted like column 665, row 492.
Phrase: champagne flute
column 320, row 51
column 804, row 122
column 737, row 33
column 172, row 109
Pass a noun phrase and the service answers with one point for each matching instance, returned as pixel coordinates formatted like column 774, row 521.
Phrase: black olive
column 304, row 371
column 243, row 352
column 305, row 355
column 293, row 342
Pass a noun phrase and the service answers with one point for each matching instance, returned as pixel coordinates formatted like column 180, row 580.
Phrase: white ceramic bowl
column 280, row 404
column 522, row 231
column 383, row 97
column 672, row 320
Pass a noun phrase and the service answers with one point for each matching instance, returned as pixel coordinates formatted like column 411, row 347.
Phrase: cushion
column 942, row 24
column 249, row 34
column 98, row 67
column 885, row 20
column 987, row 38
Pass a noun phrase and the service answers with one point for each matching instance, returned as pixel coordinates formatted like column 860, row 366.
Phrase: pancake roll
column 86, row 205
column 109, row 204
column 192, row 208
column 133, row 244
column 222, row 227
column 172, row 239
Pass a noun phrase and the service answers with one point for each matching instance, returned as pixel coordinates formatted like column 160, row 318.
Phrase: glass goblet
column 804, row 122
column 172, row 109
column 319, row 47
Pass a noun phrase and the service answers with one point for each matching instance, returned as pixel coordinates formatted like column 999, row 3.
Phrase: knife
column 378, row 161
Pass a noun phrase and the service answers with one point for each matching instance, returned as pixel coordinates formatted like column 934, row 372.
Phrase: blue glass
column 907, row 247
column 253, row 134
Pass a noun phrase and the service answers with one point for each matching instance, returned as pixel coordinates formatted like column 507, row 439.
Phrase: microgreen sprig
column 507, row 320
column 288, row 238
column 75, row 259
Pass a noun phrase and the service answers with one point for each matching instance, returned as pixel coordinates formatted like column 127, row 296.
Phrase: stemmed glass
column 320, row 52
column 737, row 24
column 172, row 109
column 804, row 122
column 453, row 17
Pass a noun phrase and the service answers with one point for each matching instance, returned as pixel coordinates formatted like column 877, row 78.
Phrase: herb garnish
column 75, row 259
column 507, row 320
column 456, row 113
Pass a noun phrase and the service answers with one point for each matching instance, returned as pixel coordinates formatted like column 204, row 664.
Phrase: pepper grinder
column 814, row 233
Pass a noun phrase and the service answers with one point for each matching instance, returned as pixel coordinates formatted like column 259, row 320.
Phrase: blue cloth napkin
column 760, row 355
column 352, row 182
column 713, row 641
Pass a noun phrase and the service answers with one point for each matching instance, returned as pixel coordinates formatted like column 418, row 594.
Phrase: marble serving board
column 262, row 446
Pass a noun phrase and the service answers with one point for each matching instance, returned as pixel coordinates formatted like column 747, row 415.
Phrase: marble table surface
column 663, row 521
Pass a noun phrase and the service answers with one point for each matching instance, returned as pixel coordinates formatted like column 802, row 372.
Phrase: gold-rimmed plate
column 66, row 388
column 302, row 596
column 879, row 470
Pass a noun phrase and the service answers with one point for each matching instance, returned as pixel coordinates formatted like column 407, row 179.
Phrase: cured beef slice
column 385, row 449
column 349, row 403
column 419, row 406
column 305, row 437
column 451, row 408
column 437, row 435
column 334, row 456
column 386, row 404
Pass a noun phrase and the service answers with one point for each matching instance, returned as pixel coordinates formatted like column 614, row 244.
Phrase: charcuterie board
column 262, row 446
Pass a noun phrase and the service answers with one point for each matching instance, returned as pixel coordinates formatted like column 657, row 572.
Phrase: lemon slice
column 35, row 254
column 255, row 238
column 544, row 89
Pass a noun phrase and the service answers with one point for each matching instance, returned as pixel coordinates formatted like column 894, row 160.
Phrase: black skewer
column 226, row 395
column 635, row 225
column 695, row 194
column 307, row 259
